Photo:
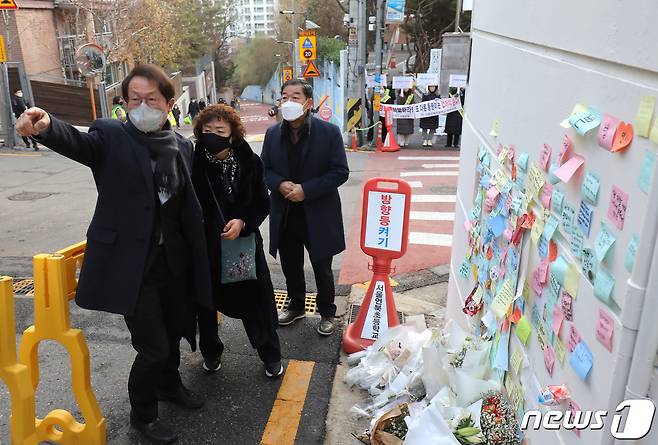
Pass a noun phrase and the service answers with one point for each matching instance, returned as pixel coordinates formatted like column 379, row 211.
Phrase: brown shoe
column 327, row 326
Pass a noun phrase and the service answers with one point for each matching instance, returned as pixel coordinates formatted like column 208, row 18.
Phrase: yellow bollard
column 54, row 286
column 15, row 375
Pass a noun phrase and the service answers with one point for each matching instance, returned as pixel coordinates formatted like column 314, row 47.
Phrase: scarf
column 229, row 170
column 164, row 154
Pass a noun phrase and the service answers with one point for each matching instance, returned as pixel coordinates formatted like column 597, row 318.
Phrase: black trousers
column 294, row 238
column 154, row 338
column 453, row 140
column 211, row 345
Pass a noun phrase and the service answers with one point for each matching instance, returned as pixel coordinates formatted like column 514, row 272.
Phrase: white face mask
column 147, row 119
column 291, row 111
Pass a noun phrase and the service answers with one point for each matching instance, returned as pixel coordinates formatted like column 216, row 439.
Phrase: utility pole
column 378, row 36
column 458, row 14
column 363, row 26
column 293, row 39
column 6, row 114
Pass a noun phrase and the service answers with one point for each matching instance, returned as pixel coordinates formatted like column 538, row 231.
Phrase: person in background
column 387, row 98
column 305, row 163
column 18, row 106
column 176, row 113
column 202, row 105
column 454, row 121
column 228, row 179
column 274, row 111
column 118, row 110
column 193, row 108
column 431, row 123
column 405, row 127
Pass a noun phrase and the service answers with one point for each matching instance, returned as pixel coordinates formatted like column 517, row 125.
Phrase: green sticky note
column 604, row 283
column 559, row 268
column 646, row 171
column 631, row 252
column 523, row 330
column 604, row 242
column 549, row 228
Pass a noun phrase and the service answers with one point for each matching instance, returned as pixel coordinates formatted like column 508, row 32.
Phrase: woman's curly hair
column 222, row 113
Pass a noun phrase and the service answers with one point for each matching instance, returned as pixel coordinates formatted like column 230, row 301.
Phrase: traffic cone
column 355, row 146
column 390, row 144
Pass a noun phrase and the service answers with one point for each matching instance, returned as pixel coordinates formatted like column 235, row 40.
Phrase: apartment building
column 255, row 17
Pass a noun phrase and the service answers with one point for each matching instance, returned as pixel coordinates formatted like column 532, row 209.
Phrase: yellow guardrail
column 55, row 283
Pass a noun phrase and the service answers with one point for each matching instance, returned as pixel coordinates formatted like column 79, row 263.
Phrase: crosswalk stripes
column 429, row 173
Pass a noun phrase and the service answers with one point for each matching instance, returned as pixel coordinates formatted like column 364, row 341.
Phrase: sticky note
column 644, row 116
column 550, row 227
column 537, row 230
column 566, row 304
column 604, row 284
column 502, row 156
column 523, row 330
column 549, row 359
column 546, row 195
column 555, row 287
column 646, row 171
column 545, row 156
column 576, row 243
column 588, row 266
column 497, row 225
column 565, row 150
column 569, row 168
column 503, row 299
column 574, row 338
column 577, row 109
column 604, row 242
column 522, row 161
column 537, row 284
column 559, row 268
column 607, row 131
column 560, row 351
column 605, row 329
column 551, row 174
column 653, row 135
column 573, row 408
column 536, row 178
column 568, row 213
column 541, row 336
column 631, row 251
column 558, row 318
column 542, row 247
column 517, row 361
column 581, row 360
column 465, row 268
column 556, row 201
column 585, row 214
column 623, row 137
column 585, row 121
column 591, row 186
column 502, row 353
column 495, row 128
column 617, row 207
column 572, row 280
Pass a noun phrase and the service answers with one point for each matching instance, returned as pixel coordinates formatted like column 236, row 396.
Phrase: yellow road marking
column 255, row 138
column 28, row 155
column 281, row 428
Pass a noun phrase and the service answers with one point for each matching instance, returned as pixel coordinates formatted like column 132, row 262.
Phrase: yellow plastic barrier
column 54, row 285
column 15, row 375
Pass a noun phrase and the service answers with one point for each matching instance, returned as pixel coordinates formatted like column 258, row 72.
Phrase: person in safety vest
column 118, row 112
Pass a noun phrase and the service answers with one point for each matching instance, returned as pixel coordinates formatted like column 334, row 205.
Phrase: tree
column 256, row 62
column 329, row 48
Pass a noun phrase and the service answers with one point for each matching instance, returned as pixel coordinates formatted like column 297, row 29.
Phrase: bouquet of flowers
column 465, row 430
column 498, row 421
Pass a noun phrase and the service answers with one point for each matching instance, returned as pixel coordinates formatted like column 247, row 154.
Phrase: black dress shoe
column 156, row 431
column 181, row 397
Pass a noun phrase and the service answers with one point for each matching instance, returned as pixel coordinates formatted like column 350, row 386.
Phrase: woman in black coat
column 405, row 126
column 431, row 123
column 228, row 179
column 454, row 122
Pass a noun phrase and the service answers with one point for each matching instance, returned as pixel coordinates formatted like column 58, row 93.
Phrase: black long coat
column 430, row 122
column 324, row 168
column 405, row 126
column 454, row 120
column 118, row 238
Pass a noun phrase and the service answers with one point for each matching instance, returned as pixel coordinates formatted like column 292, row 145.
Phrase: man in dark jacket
column 305, row 163
column 193, row 108
column 146, row 252
column 18, row 106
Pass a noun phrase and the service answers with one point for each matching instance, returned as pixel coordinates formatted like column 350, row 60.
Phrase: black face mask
column 214, row 143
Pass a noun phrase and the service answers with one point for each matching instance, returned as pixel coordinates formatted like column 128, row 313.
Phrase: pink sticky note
column 564, row 150
column 492, row 194
column 572, row 408
column 567, row 170
column 574, row 338
column 605, row 328
column 617, row 207
column 537, row 285
column 558, row 318
column 549, row 359
column 543, row 271
column 545, row 156
column 567, row 305
column 508, row 233
column 467, row 225
column 607, row 131
column 546, row 194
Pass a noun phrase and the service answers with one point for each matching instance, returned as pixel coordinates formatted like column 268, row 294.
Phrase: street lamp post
column 293, row 37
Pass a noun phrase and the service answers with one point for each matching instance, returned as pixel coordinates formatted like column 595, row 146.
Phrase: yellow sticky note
column 503, row 299
column 560, row 352
column 654, row 132
column 572, row 280
column 523, row 330
column 516, row 360
column 536, row 178
column 644, row 115
column 579, row 108
column 537, row 230
column 495, row 128
column 502, row 157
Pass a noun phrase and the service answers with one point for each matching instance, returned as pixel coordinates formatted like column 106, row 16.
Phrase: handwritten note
column 565, row 150
column 568, row 213
column 523, row 330
column 550, row 227
column 623, row 137
column 646, row 171
column 566, row 303
column 556, row 201
column 546, row 195
column 607, row 131
column 545, row 156
column 517, row 361
column 588, row 265
column 631, row 251
column 537, row 229
column 502, row 353
column 522, row 161
column 536, row 178
column 604, row 284
column 591, row 186
column 581, row 360
column 605, row 329
column 503, row 299
column 585, row 214
column 574, row 338
column 567, row 170
column 576, row 243
column 465, row 268
column 604, row 242
column 549, row 359
column 577, row 109
column 572, row 280
column 618, row 206
column 495, row 128
column 585, row 121
column 559, row 268
column 644, row 116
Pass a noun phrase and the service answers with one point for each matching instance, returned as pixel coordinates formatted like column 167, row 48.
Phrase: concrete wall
column 37, row 38
column 455, row 58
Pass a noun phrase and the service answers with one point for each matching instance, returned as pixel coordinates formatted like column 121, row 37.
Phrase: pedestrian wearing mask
column 405, row 127
column 118, row 110
column 18, row 106
column 228, row 178
column 431, row 123
column 305, row 163
column 176, row 113
column 146, row 253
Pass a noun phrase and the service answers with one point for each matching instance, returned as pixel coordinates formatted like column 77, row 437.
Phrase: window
column 259, row 18
column 101, row 25
column 259, row 26
column 259, row 9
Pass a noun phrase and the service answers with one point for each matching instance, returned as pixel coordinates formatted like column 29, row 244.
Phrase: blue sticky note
column 559, row 268
column 497, row 225
column 646, row 171
column 604, row 242
column 591, row 186
column 556, row 201
column 485, row 181
column 568, row 213
column 534, row 316
column 551, row 174
column 581, row 360
column 631, row 251
column 550, row 227
column 502, row 354
column 522, row 161
column 542, row 247
column 604, row 284
column 576, row 243
column 585, row 121
column 585, row 214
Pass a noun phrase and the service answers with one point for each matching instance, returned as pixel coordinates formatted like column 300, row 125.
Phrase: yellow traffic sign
column 8, row 4
column 307, row 47
column 287, row 73
column 311, row 70
column 3, row 50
